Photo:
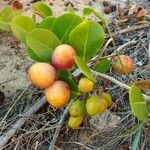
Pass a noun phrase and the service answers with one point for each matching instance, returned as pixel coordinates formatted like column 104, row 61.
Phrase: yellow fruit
column 93, row 105
column 58, row 94
column 77, row 108
column 126, row 67
column 108, row 99
column 74, row 122
column 85, row 85
column 103, row 104
column 42, row 75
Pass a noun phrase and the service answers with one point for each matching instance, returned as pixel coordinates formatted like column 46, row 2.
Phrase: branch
column 122, row 85
column 129, row 30
column 8, row 134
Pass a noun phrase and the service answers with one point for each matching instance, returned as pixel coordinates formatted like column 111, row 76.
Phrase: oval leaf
column 65, row 76
column 4, row 26
column 47, row 22
column 87, row 38
column 21, row 26
column 103, row 66
column 42, row 42
column 64, row 24
column 138, row 104
column 5, row 13
column 42, row 9
column 88, row 10
column 32, row 55
column 84, row 68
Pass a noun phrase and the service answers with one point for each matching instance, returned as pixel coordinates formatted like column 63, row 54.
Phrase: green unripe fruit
column 93, row 105
column 77, row 108
column 108, row 99
column 103, row 104
column 74, row 122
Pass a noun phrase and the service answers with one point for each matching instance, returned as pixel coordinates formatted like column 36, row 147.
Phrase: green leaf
column 42, row 42
column 65, row 76
column 4, row 26
column 103, row 66
column 21, row 26
column 87, row 38
column 32, row 55
column 5, row 13
column 8, row 13
column 64, row 24
column 138, row 104
column 84, row 68
column 47, row 22
column 42, row 9
column 88, row 10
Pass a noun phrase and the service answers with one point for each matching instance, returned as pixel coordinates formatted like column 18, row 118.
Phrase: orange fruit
column 126, row 67
column 85, row 85
column 58, row 94
column 42, row 75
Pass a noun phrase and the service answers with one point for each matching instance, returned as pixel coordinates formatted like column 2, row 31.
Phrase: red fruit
column 126, row 67
column 58, row 94
column 63, row 57
column 42, row 75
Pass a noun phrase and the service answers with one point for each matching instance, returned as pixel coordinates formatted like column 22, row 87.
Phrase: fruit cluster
column 44, row 75
column 92, row 106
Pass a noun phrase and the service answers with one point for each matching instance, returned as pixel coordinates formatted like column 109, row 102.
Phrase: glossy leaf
column 21, row 26
column 8, row 13
column 5, row 13
column 47, row 22
column 4, row 26
column 138, row 104
column 32, row 55
column 87, row 38
column 88, row 10
column 42, row 42
column 84, row 68
column 42, row 9
column 64, row 24
column 103, row 66
column 65, row 76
